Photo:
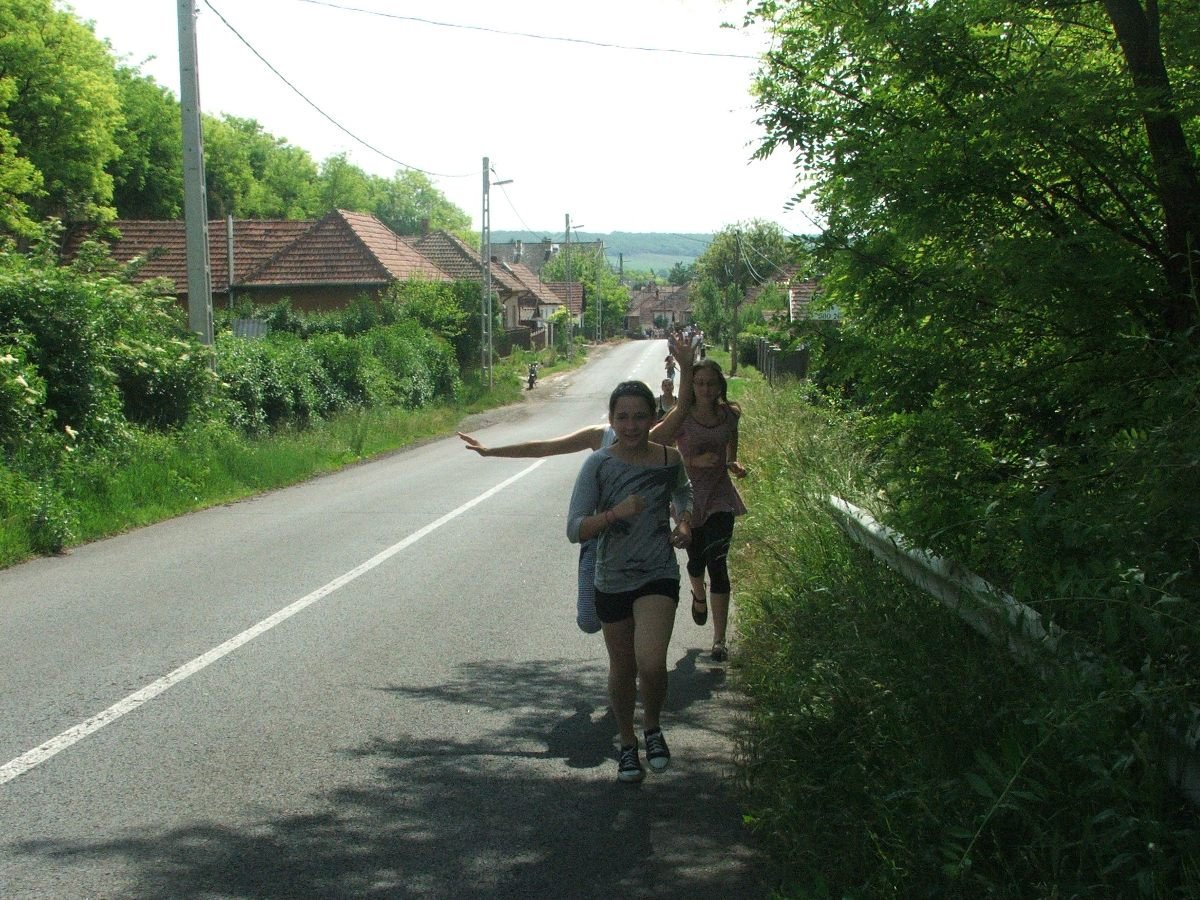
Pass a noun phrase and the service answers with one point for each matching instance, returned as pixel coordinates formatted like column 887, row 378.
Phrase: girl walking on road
column 623, row 497
column 708, row 441
column 667, row 399
column 596, row 437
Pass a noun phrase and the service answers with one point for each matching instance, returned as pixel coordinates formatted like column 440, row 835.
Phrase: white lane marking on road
column 642, row 363
column 57, row 744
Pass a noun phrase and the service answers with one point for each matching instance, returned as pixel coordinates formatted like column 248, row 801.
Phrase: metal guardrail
column 1007, row 622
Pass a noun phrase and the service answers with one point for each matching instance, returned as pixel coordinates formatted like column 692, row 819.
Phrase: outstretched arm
column 584, row 439
column 664, row 432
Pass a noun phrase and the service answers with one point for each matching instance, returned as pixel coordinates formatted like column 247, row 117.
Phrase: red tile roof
column 782, row 277
column 164, row 244
column 571, row 293
column 661, row 300
column 540, row 294
column 457, row 260
column 344, row 248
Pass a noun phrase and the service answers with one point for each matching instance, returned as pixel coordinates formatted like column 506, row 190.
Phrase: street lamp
column 485, row 250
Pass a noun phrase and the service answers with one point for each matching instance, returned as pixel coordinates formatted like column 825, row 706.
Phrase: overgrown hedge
column 891, row 751
column 88, row 362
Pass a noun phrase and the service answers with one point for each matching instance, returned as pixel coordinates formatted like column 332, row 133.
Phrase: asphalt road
column 368, row 685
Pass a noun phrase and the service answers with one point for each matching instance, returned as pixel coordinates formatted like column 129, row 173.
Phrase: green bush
column 251, row 384
column 22, row 395
column 747, row 349
column 282, row 318
column 162, row 384
column 450, row 312
column 15, row 494
column 291, row 378
column 894, row 753
column 313, row 392
column 51, row 520
column 409, row 381
column 357, row 374
column 57, row 317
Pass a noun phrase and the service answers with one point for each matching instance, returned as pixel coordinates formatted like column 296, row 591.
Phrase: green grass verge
column 154, row 476
column 893, row 753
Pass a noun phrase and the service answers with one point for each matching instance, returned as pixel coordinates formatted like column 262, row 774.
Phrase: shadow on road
column 529, row 809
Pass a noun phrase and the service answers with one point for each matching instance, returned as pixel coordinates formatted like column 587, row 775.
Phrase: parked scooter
column 533, row 373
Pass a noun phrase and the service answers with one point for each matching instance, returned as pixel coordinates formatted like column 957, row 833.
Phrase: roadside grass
column 889, row 751
column 153, row 476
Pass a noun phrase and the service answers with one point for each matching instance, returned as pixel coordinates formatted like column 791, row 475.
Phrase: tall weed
column 892, row 752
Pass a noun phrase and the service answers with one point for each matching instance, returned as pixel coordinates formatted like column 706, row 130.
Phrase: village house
column 658, row 305
column 801, row 292
column 525, row 301
column 318, row 265
column 538, row 302
column 452, row 255
column 573, row 295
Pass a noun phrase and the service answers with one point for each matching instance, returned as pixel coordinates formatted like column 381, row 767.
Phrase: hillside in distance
column 656, row 251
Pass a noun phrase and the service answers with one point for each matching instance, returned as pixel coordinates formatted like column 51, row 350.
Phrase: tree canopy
column 599, row 281
column 1009, row 191
column 148, row 173
column 85, row 137
column 740, row 257
column 59, row 111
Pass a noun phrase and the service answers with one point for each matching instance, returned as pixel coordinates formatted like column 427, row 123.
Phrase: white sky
column 621, row 140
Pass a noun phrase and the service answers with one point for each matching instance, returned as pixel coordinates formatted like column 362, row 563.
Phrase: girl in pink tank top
column 708, row 441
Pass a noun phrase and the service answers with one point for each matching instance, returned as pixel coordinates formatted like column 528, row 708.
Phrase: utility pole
column 229, row 260
column 570, row 319
column 485, row 250
column 599, row 301
column 195, row 201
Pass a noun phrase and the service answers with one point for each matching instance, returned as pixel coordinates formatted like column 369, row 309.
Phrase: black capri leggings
column 709, row 549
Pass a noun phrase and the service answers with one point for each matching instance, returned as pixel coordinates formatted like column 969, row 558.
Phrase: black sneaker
column 657, row 754
column 629, row 767
column 719, row 652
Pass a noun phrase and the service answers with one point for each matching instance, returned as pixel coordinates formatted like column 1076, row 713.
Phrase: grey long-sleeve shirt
column 632, row 551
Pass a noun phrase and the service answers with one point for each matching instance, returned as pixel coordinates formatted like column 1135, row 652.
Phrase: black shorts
column 619, row 607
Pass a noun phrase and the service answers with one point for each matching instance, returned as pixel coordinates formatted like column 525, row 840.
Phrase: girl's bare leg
column 622, row 676
column 654, row 619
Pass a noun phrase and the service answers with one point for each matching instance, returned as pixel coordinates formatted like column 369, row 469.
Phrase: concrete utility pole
column 485, row 250
column 599, row 301
column 195, row 201
column 570, row 320
column 229, row 260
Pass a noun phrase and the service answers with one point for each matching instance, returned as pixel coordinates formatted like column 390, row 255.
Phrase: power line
column 737, row 237
column 526, row 34
column 782, row 269
column 508, row 199
column 326, row 115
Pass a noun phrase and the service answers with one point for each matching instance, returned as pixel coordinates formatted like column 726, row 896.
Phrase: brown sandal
column 700, row 618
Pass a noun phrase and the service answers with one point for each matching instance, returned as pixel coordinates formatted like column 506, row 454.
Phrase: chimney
column 517, row 250
column 424, row 226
